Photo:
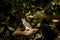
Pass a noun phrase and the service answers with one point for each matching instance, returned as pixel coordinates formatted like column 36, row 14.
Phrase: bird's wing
column 26, row 24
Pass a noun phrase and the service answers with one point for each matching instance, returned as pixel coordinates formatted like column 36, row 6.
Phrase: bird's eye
column 27, row 29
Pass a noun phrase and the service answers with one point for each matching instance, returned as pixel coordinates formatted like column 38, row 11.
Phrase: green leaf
column 38, row 25
column 38, row 35
column 54, row 13
column 1, row 29
column 11, row 28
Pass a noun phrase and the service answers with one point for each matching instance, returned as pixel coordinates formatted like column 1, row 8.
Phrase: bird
column 28, row 31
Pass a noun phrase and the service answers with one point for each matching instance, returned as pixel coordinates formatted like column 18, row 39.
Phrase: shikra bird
column 26, row 24
column 28, row 31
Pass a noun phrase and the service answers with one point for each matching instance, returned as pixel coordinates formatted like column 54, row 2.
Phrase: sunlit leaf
column 53, row 3
column 59, row 3
column 1, row 29
column 55, row 20
column 38, row 25
column 52, row 26
column 30, row 16
column 38, row 35
column 54, row 13
column 39, row 14
column 11, row 28
column 24, row 4
column 28, row 13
